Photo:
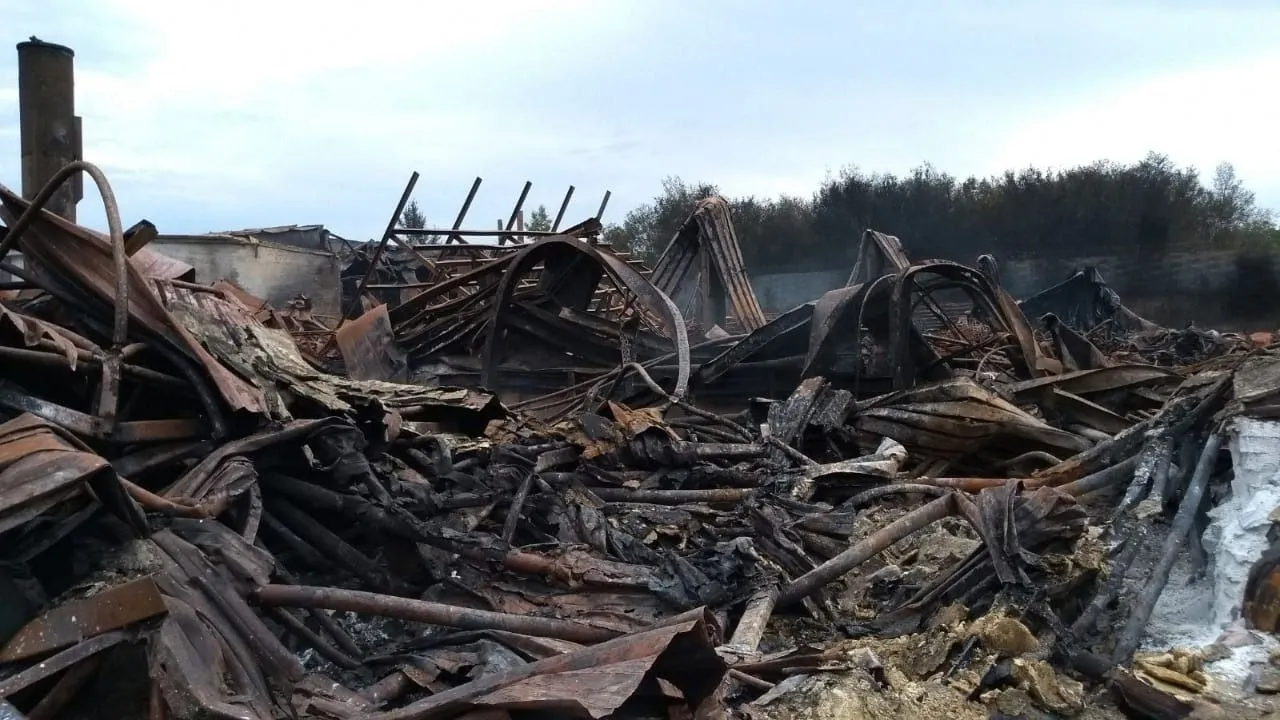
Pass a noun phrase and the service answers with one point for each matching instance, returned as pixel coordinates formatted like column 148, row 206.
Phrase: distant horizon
column 319, row 117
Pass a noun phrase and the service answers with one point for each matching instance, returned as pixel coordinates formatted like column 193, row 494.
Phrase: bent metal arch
column 572, row 271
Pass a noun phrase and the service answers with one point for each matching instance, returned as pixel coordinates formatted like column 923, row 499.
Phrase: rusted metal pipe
column 869, row 547
column 1087, row 484
column 312, row 638
column 115, row 229
column 322, row 618
column 331, row 546
column 57, row 359
column 64, row 691
column 673, row 497
column 1103, row 478
column 517, row 506
column 272, row 653
column 428, row 612
column 389, row 688
column 755, row 617
column 867, row 496
column 155, row 503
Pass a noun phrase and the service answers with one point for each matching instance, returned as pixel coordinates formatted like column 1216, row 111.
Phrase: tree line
column 1139, row 209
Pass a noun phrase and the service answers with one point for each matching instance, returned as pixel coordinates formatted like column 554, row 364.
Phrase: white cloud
column 1198, row 117
column 228, row 88
column 243, row 113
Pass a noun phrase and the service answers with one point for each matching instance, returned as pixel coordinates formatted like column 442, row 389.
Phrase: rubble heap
column 931, row 508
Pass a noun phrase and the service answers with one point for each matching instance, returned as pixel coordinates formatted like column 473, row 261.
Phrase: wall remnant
column 276, row 273
column 1224, row 289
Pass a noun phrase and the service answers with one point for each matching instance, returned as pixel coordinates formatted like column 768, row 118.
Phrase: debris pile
column 537, row 490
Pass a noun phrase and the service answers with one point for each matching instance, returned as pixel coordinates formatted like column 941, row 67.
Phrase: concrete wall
column 1227, row 290
column 276, row 273
column 307, row 237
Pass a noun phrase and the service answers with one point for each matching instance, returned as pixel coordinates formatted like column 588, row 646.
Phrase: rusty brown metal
column 41, row 467
column 874, row 544
column 65, row 690
column 604, row 203
column 67, row 658
column 585, row 229
column 49, row 128
column 157, row 266
column 654, row 300
column 107, row 400
column 561, row 681
column 707, row 242
column 78, row 620
column 958, row 417
column 138, row 236
column 368, row 348
column 638, row 503
column 82, row 258
column 272, row 362
column 422, row 611
column 23, row 220
column 99, row 426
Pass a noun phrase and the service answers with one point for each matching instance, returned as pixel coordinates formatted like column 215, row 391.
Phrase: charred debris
column 540, row 479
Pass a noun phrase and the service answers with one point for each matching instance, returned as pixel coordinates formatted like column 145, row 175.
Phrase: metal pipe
column 114, row 228
column 466, row 206
column 604, row 203
column 564, row 205
column 867, row 548
column 367, row 603
column 515, row 211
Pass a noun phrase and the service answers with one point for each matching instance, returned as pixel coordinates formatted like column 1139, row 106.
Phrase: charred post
column 50, row 128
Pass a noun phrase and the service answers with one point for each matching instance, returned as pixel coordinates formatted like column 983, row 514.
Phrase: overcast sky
column 210, row 116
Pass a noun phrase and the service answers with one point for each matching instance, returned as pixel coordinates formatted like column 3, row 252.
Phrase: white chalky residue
column 1196, row 614
column 1184, row 618
column 1237, row 535
column 1145, row 468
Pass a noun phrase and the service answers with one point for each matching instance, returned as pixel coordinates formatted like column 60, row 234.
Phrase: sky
column 236, row 114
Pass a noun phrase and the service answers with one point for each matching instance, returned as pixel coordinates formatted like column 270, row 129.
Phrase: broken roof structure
column 544, row 480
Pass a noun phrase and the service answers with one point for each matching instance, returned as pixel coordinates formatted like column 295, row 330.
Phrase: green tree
column 413, row 218
column 1232, row 210
column 1103, row 208
column 539, row 220
column 646, row 230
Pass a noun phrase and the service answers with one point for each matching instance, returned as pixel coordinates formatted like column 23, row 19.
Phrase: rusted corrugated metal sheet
column 705, row 249
column 368, row 348
column 79, row 258
column 41, row 466
column 270, row 360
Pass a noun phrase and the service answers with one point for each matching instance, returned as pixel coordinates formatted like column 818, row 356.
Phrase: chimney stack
column 49, row 126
